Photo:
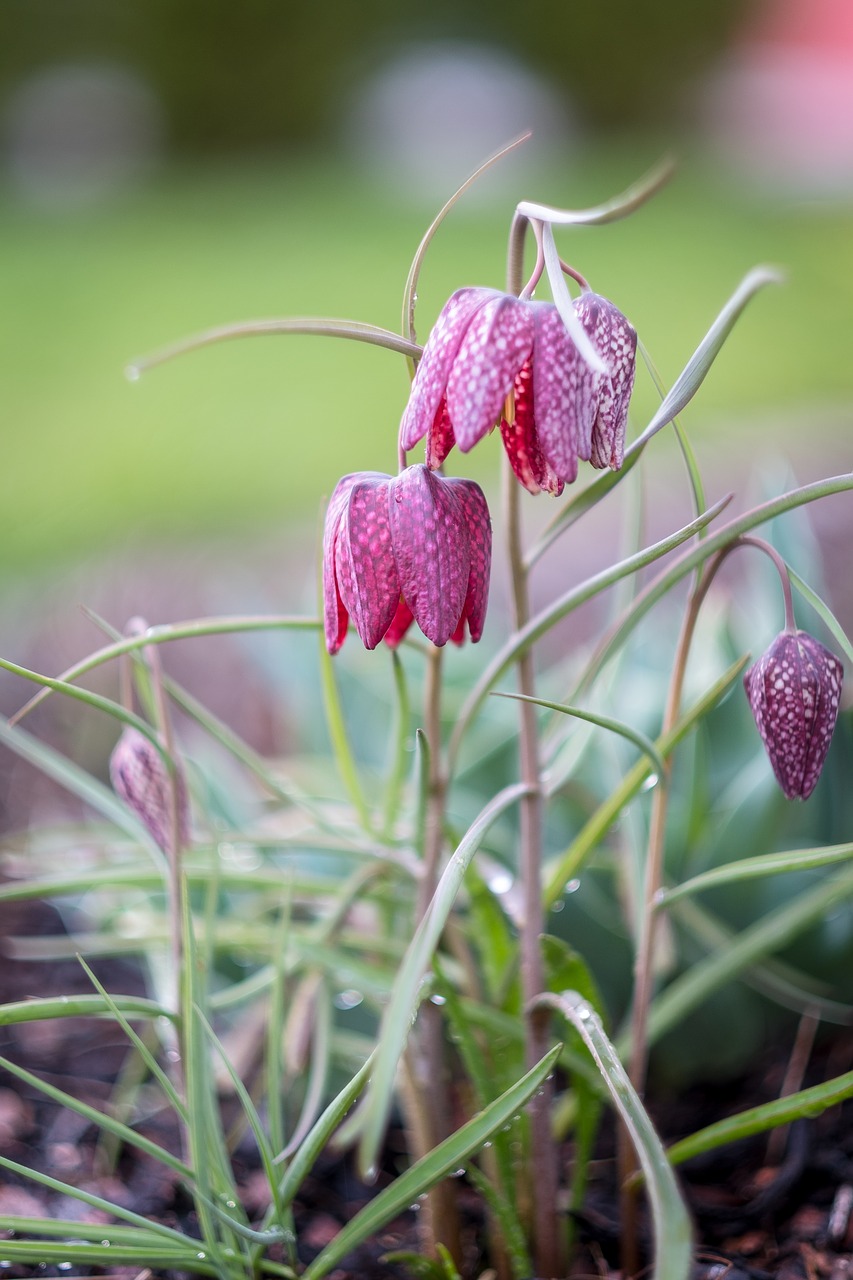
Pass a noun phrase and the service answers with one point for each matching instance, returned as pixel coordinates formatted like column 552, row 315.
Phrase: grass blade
column 766, row 864
column 405, row 997
column 673, row 1251
column 432, row 1168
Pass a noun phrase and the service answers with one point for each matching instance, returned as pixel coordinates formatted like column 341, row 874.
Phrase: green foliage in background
column 224, row 440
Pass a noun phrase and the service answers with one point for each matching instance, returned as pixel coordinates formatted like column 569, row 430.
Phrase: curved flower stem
column 644, row 963
column 544, row 1155
column 426, row 1092
column 546, row 1249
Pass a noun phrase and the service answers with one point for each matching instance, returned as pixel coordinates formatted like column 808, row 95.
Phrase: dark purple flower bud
column 141, row 779
column 416, row 546
column 794, row 691
column 491, row 349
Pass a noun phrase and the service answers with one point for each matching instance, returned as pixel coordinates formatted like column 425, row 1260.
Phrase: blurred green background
column 257, row 183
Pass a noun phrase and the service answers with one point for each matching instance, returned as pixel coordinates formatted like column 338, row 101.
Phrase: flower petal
column 615, row 339
column 431, row 376
column 335, row 617
column 431, row 550
column 521, row 441
column 440, row 438
column 365, row 567
column 478, row 525
column 794, row 692
column 563, row 394
column 399, row 626
column 497, row 342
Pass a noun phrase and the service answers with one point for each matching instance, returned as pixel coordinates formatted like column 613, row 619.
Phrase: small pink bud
column 794, row 692
column 140, row 778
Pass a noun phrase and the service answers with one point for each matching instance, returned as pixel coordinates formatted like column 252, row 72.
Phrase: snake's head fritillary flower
column 615, row 340
column 794, row 691
column 488, row 350
column 416, row 546
column 141, row 779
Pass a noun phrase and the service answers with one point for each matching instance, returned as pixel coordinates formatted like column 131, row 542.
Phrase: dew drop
column 650, row 783
column 573, row 885
column 201, row 1256
column 437, row 999
column 584, row 1013
column 370, row 1175
column 501, row 882
column 558, row 906
column 106, row 1243
column 349, row 999
column 132, row 373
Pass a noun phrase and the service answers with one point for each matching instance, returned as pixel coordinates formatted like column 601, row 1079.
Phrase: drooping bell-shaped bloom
column 487, row 344
column 140, row 778
column 794, row 691
column 397, row 548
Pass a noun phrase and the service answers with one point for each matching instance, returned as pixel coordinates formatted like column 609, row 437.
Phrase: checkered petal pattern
column 416, row 546
column 794, row 691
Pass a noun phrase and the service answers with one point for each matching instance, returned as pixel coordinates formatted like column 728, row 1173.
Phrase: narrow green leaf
column 639, row 739
column 539, row 625
column 627, row 202
column 40, row 1009
column 82, row 784
column 806, row 1104
column 823, row 611
column 769, row 934
column 398, row 740
column 693, row 374
column 339, row 738
column 99, row 1118
column 673, row 1251
column 766, row 864
column 320, row 326
column 562, row 869
column 431, row 1168
column 411, row 289
column 405, row 997
column 507, row 1221
column 164, row 633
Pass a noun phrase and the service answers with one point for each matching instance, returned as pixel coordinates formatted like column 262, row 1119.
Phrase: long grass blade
column 83, row 785
column 432, row 1168
column 673, row 1250
column 767, row 864
column 806, row 1104
column 370, row 1121
column 542, row 622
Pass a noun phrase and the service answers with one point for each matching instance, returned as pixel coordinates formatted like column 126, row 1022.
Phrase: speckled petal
column 476, row 522
column 615, row 339
column 431, row 550
column 794, row 692
column 365, row 567
column 440, row 438
column 443, row 343
column 521, row 442
column 335, row 617
column 562, row 394
column 401, row 622
column 140, row 778
column 497, row 342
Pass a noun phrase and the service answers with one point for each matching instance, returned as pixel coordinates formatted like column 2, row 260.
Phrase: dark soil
column 778, row 1206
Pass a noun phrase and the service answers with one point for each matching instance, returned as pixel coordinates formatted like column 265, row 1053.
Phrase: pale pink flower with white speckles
column 794, row 692
column 487, row 344
column 140, row 777
column 413, row 546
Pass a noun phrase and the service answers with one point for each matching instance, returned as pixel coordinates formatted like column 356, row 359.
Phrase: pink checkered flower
column 486, row 345
column 794, row 691
column 413, row 546
column 140, row 778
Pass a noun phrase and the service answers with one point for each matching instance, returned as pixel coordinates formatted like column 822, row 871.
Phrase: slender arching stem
column 644, row 962
column 544, row 1156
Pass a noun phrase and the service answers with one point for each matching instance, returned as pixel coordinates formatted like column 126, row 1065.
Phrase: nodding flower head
column 140, row 777
column 486, row 345
column 794, row 691
column 413, row 546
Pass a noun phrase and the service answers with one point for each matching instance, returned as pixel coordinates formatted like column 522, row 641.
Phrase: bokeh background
column 167, row 166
